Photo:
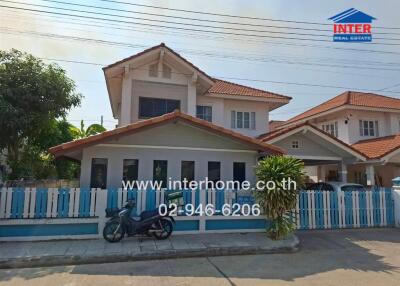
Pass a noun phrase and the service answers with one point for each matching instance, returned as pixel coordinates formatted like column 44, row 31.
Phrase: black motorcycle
column 149, row 223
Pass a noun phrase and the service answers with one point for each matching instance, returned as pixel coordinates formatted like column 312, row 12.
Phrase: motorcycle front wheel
column 163, row 229
column 113, row 231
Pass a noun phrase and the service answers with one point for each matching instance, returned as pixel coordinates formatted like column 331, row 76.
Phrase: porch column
column 191, row 98
column 342, row 172
column 126, row 101
column 370, row 175
column 321, row 173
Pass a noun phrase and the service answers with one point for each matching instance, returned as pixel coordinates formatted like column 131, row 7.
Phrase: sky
column 291, row 67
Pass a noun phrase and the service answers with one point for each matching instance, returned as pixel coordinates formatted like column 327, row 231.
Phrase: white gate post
column 396, row 198
column 100, row 212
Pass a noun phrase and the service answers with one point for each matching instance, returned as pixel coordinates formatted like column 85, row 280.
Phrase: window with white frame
column 295, row 144
column 369, row 128
column 204, row 112
column 331, row 128
column 166, row 73
column 153, row 70
column 243, row 120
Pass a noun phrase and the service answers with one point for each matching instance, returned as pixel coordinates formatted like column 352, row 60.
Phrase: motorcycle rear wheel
column 164, row 229
column 113, row 232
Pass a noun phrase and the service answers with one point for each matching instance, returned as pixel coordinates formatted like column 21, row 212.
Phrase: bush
column 278, row 203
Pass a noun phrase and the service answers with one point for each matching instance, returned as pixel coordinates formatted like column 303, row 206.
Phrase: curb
column 61, row 260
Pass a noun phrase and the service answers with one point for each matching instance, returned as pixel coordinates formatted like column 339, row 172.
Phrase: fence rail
column 344, row 209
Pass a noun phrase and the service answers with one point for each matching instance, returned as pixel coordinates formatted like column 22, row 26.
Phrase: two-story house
column 366, row 124
column 174, row 121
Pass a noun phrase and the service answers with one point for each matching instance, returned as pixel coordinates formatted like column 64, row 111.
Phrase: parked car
column 334, row 186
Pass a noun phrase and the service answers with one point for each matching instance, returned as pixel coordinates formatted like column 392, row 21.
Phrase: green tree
column 81, row 132
column 33, row 95
column 279, row 200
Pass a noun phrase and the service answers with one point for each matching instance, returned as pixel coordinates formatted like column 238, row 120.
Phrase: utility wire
column 269, row 42
column 228, row 15
column 207, row 20
column 170, row 27
column 200, row 53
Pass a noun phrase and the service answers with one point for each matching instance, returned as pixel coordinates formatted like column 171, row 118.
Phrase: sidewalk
column 64, row 252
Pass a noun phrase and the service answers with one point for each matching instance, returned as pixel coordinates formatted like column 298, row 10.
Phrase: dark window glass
column 160, row 168
column 130, row 170
column 204, row 112
column 98, row 177
column 187, row 170
column 152, row 107
column 214, row 171
column 239, row 171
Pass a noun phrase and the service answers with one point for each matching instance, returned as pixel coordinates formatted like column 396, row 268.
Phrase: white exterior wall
column 137, row 83
column 194, row 145
column 350, row 132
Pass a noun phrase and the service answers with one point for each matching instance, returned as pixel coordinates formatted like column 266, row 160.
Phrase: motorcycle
column 149, row 223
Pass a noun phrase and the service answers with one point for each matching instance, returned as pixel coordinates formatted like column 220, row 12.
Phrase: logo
column 352, row 26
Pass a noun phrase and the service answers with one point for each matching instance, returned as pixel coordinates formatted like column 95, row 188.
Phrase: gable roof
column 160, row 120
column 274, row 124
column 218, row 86
column 378, row 147
column 267, row 137
column 352, row 16
column 349, row 98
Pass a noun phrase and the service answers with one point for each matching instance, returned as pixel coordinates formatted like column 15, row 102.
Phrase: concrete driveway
column 346, row 257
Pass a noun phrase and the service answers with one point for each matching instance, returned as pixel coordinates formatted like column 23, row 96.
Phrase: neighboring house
column 174, row 121
column 366, row 125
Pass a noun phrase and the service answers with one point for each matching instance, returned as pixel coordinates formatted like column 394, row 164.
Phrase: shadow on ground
column 321, row 251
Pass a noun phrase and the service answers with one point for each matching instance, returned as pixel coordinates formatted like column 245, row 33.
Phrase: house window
column 187, row 171
column 152, row 107
column 295, row 144
column 331, row 128
column 204, row 112
column 369, row 128
column 243, row 120
column 214, row 171
column 160, row 169
column 130, row 170
column 239, row 171
column 153, row 70
column 98, row 178
column 166, row 73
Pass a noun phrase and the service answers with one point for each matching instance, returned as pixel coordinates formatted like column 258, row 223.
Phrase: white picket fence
column 48, row 203
column 344, row 209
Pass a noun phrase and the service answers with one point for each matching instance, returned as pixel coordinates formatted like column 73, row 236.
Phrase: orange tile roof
column 230, row 88
column 219, row 86
column 378, row 147
column 268, row 136
column 273, row 124
column 350, row 98
column 156, row 121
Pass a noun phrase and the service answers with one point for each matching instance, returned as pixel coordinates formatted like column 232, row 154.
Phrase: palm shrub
column 278, row 202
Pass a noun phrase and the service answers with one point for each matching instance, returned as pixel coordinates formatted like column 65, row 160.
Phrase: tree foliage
column 279, row 201
column 81, row 132
column 34, row 97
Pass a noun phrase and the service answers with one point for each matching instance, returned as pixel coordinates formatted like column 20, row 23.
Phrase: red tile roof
column 378, row 147
column 230, row 88
column 350, row 98
column 269, row 136
column 273, row 124
column 219, row 86
column 156, row 121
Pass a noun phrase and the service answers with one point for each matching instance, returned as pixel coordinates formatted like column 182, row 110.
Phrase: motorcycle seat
column 148, row 214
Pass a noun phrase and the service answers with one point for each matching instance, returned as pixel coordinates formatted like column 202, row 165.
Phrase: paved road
column 351, row 257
